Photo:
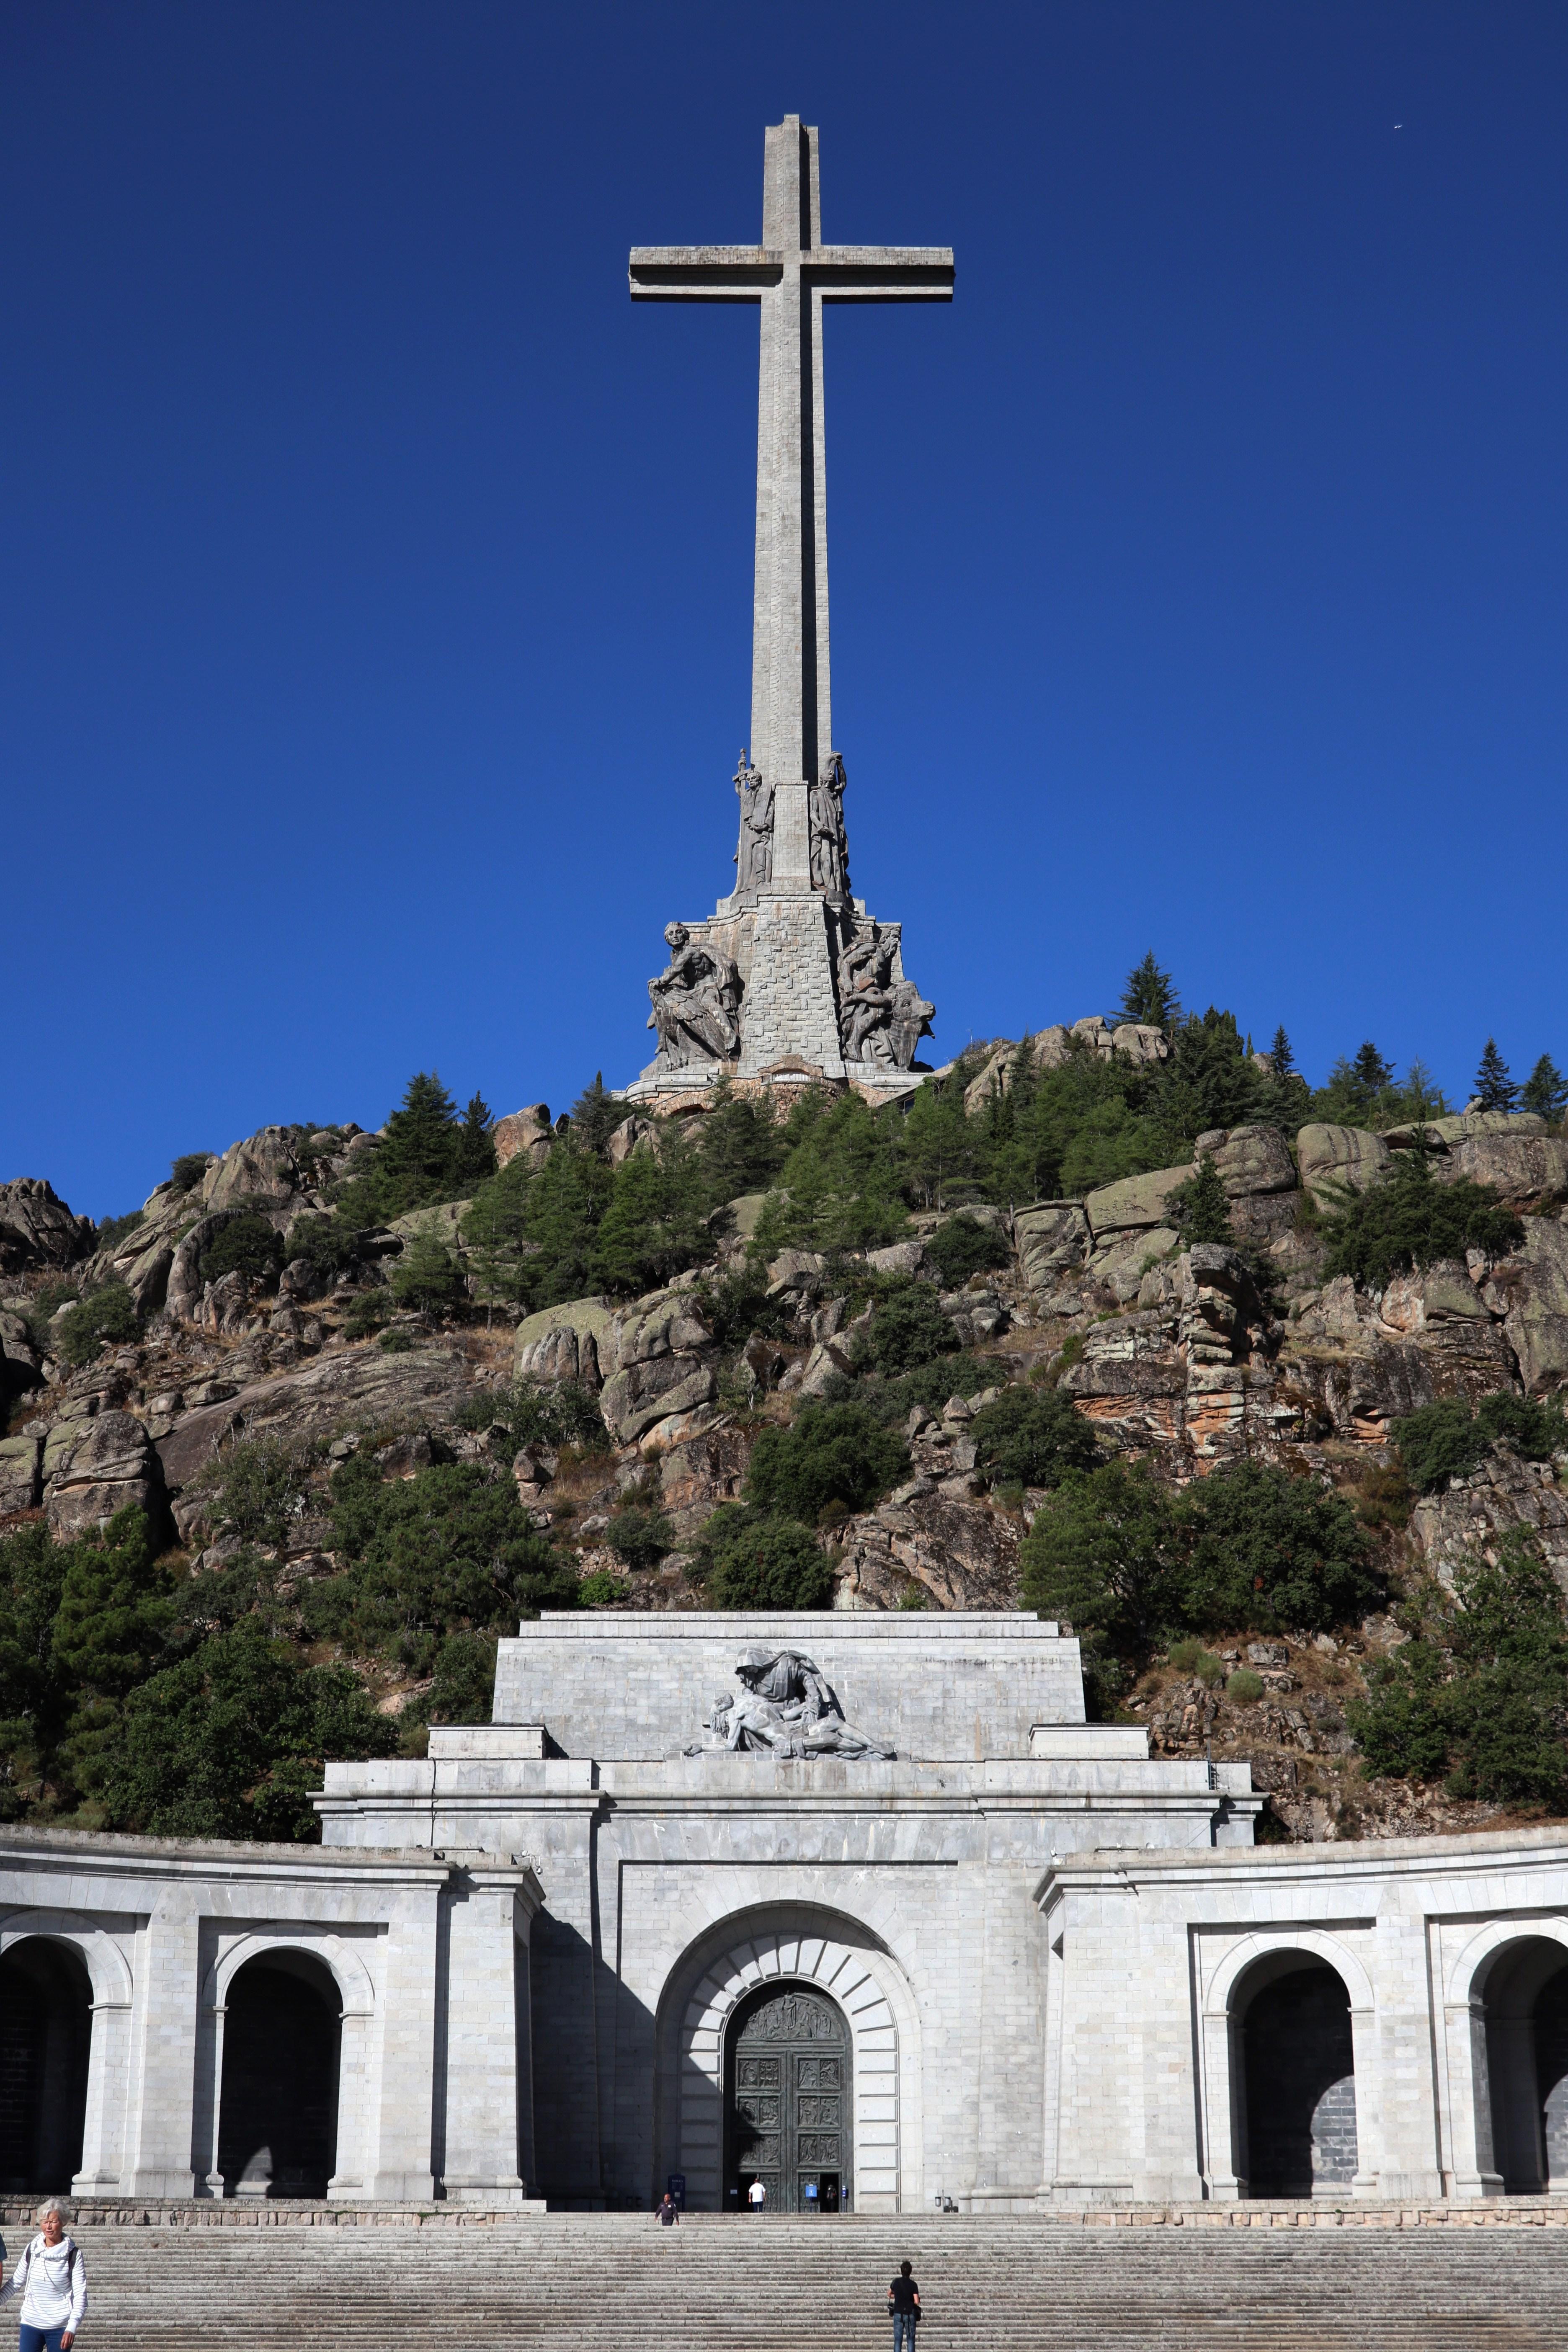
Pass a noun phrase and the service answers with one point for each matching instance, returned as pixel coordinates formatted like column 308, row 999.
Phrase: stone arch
column 279, row 2072
column 100, row 2064
column 356, row 1989
column 815, row 1947
column 1289, row 2061
column 46, row 2029
column 1511, row 1983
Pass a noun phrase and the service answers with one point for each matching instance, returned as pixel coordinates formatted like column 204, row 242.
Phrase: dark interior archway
column 1526, row 2005
column 788, row 2101
column 1299, row 2070
column 277, row 2119
column 45, row 2030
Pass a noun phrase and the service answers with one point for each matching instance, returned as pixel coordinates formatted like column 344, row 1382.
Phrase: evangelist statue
column 786, row 1709
column 755, row 858
column 880, row 1020
column 829, row 845
column 696, row 1000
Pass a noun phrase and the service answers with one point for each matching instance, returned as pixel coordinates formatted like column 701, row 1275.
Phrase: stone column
column 108, row 2082
column 404, row 2108
column 164, row 2040
column 488, row 2036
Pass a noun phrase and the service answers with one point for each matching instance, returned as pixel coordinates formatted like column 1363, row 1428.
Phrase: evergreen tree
column 474, row 1154
column 562, row 1210
column 1281, row 1059
column 1494, row 1087
column 1150, row 995
column 425, row 1276
column 596, row 1115
column 1545, row 1091
column 1200, row 1209
column 1372, row 1073
column 740, row 1144
column 415, row 1152
column 652, row 1227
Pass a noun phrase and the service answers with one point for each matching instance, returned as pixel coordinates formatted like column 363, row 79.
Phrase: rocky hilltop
column 795, row 1364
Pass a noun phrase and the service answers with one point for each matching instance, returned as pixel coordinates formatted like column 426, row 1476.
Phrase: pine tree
column 596, row 1115
column 474, row 1155
column 1200, row 1209
column 416, row 1155
column 1281, row 1059
column 1545, row 1091
column 1495, row 1090
column 1150, row 995
column 1372, row 1073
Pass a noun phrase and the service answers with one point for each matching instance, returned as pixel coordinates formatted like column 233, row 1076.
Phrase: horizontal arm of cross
column 743, row 273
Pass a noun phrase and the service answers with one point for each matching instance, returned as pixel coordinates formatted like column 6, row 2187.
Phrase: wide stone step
column 617, row 2283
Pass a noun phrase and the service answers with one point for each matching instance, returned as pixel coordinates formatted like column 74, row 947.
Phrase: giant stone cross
column 766, row 988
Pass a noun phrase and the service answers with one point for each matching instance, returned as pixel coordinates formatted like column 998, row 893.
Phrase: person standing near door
column 51, row 2279
column 756, row 2196
column 904, row 2309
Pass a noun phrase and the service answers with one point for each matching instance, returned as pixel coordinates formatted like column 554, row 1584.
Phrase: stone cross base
column 786, row 946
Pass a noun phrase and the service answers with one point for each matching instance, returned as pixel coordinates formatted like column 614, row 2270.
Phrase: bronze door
column 788, row 2107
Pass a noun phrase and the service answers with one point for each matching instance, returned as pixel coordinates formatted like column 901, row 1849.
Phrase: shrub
column 908, row 1329
column 760, row 1560
column 188, row 1171
column 1408, row 1219
column 1032, row 1437
column 231, row 1742
column 463, row 1690
column 893, row 1402
column 425, row 1276
column 962, row 1246
column 368, row 1314
column 1248, row 1547
column 733, row 1306
column 449, row 1550
column 259, row 1487
column 1190, row 1657
column 1438, row 1442
column 106, row 1317
column 566, row 1416
column 1478, row 1696
column 642, row 1537
column 246, row 1246
column 331, row 1249
column 113, row 1230
column 1444, row 1440
column 396, row 1343
column 597, row 1591
column 829, row 1453
column 1245, row 1687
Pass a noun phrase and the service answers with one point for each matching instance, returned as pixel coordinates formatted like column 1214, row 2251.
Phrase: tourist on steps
column 904, row 2309
column 668, row 2213
column 51, row 2279
column 756, row 2196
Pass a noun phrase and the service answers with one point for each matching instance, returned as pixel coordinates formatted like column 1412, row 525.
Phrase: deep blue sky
column 375, row 580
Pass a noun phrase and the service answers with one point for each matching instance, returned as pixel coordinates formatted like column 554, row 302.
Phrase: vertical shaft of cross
column 791, row 731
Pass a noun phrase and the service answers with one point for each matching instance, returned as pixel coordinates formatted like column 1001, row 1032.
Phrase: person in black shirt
column 668, row 2213
column 904, row 2308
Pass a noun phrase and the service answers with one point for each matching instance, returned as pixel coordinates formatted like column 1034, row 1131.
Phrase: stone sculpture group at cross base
column 696, row 999
column 786, row 1709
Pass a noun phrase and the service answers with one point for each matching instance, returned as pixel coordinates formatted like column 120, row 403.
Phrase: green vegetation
column 830, row 1453
column 1545, row 1092
column 1189, row 1657
column 105, row 1317
column 1408, row 1219
column 1495, row 1090
column 113, row 1230
column 566, row 1416
column 124, row 1706
column 427, row 1276
column 1130, row 1564
column 247, row 1244
column 1478, row 1696
column 259, row 1486
column 599, row 1589
column 1150, row 995
column 908, row 1329
column 961, row 1246
column 1245, row 1687
column 448, row 1550
column 1032, row 1437
column 1368, row 1092
column 188, row 1171
column 641, row 1537
column 1199, row 1210
column 1444, row 1440
column 430, row 1152
column 754, row 1558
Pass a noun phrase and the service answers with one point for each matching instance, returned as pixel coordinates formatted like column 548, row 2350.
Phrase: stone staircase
column 617, row 2282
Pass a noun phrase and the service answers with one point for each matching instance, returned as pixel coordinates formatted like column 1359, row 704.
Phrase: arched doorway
column 278, row 2118
column 1299, row 2079
column 45, row 2031
column 787, row 2094
column 1526, row 2001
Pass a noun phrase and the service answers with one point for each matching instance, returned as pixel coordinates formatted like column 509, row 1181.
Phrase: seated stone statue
column 786, row 1709
column 696, row 1000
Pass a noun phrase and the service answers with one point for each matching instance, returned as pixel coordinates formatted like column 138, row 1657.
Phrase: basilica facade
column 859, row 1906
